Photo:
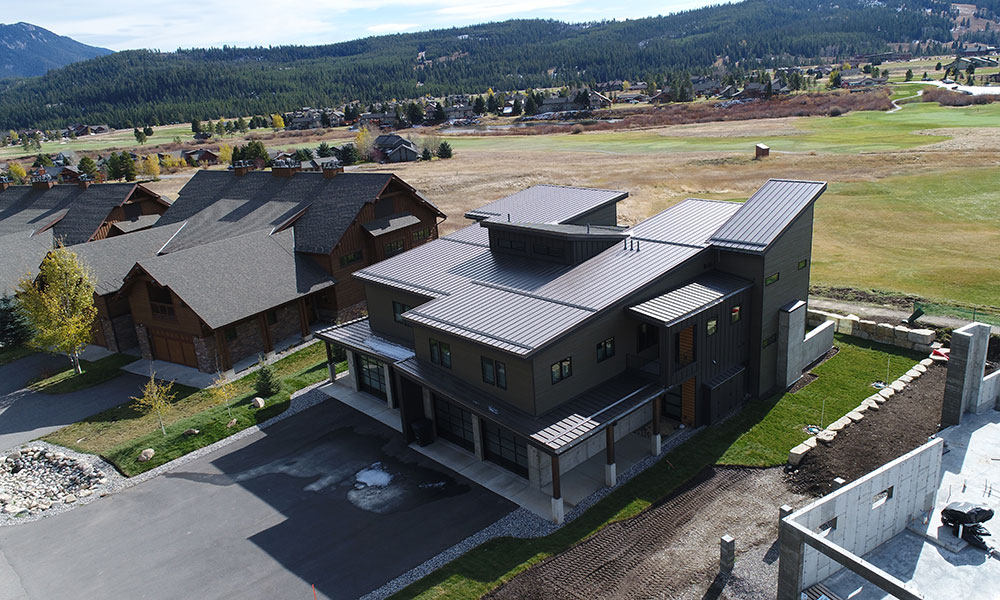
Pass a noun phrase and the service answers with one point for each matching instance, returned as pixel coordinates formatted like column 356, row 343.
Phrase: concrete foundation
column 558, row 511
column 795, row 352
column 966, row 390
column 610, row 475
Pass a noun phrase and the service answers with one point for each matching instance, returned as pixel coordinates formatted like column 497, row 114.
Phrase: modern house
column 542, row 334
column 395, row 148
column 245, row 260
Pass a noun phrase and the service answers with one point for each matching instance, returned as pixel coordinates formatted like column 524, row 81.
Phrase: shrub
column 578, row 128
column 836, row 111
column 267, row 383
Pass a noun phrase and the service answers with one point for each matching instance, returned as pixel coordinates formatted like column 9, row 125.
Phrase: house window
column 353, row 257
column 398, row 308
column 440, row 353
column 394, row 247
column 161, row 303
column 421, row 234
column 768, row 341
column 711, row 327
column 501, row 375
column 646, row 336
column 230, row 333
column 734, row 313
column 371, row 376
column 771, row 278
column 511, row 245
column 605, row 349
column 562, row 369
column 272, row 317
column 803, row 263
column 494, row 372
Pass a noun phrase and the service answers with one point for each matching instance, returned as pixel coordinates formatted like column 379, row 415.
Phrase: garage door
column 173, row 347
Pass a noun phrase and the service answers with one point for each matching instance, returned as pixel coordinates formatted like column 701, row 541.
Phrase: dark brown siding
column 147, row 206
column 185, row 320
column 380, row 315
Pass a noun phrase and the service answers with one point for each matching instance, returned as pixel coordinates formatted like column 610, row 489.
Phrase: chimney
column 84, row 181
column 42, row 182
column 331, row 169
column 242, row 167
column 284, row 168
column 4, row 182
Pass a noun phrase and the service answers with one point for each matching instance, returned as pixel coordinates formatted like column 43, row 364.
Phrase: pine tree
column 324, row 150
column 426, row 155
column 128, row 167
column 267, row 383
column 479, row 107
column 15, row 331
column 444, row 150
column 439, row 113
column 195, row 126
column 88, row 167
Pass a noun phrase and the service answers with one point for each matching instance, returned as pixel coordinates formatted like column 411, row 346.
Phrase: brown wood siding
column 147, row 204
column 185, row 320
column 685, row 348
column 688, row 402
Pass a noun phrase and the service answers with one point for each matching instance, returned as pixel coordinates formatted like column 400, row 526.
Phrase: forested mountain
column 138, row 87
column 27, row 50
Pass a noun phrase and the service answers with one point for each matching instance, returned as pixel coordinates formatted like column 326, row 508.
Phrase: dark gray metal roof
column 767, row 214
column 558, row 229
column 219, row 204
column 234, row 278
column 693, row 297
column 111, row 259
column 389, row 224
column 21, row 253
column 357, row 335
column 77, row 212
column 691, row 222
column 556, row 431
column 547, row 204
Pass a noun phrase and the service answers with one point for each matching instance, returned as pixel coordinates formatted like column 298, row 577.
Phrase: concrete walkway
column 26, row 415
column 577, row 484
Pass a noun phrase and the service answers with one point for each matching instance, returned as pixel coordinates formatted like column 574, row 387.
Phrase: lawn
column 120, row 433
column 94, row 373
column 760, row 435
column 122, row 138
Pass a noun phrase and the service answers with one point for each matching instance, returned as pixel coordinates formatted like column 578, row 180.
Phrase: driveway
column 26, row 415
column 327, row 497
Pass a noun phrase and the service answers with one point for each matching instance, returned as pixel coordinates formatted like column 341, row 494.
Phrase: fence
column 983, row 314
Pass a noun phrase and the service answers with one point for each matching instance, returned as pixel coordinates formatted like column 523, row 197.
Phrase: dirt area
column 642, row 557
column 781, row 126
column 900, row 425
column 876, row 297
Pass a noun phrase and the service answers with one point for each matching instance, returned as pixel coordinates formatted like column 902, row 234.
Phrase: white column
column 655, row 442
column 352, row 377
column 388, row 384
column 558, row 511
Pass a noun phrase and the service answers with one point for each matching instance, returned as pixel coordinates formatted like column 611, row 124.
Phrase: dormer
column 558, row 243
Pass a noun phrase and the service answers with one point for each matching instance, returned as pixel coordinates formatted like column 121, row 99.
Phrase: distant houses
column 395, row 148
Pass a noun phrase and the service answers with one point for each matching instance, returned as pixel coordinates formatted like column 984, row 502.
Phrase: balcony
column 649, row 368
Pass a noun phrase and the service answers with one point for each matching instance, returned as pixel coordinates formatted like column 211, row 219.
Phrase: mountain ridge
column 27, row 50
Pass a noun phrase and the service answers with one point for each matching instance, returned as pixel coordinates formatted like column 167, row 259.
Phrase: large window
column 394, row 247
column 421, row 234
column 371, row 375
column 351, row 257
column 646, row 336
column 161, row 303
column 605, row 349
column 505, row 449
column 440, row 353
column 398, row 308
column 511, row 244
column 562, row 369
column 494, row 372
column 454, row 423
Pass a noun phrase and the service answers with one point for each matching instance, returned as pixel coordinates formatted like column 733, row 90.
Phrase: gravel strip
column 301, row 400
column 522, row 523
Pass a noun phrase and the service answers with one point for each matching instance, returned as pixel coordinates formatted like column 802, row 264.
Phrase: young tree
column 909, row 75
column 195, row 126
column 148, row 131
column 277, row 122
column 128, row 167
column 937, row 67
column 324, row 150
column 426, row 155
column 59, row 304
column 225, row 153
column 267, row 383
column 140, row 136
column 241, row 124
column 114, row 166
column 15, row 331
column 88, row 167
column 15, row 172
column 156, row 397
column 220, row 128
column 151, row 166
column 444, row 150
column 223, row 391
column 364, row 143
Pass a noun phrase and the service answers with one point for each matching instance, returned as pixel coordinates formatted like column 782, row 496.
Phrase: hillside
column 135, row 87
column 27, row 50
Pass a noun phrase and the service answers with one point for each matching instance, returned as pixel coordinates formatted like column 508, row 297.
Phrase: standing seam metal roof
column 547, row 204
column 767, row 214
column 702, row 292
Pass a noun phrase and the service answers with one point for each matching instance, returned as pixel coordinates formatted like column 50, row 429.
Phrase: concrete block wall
column 794, row 350
column 862, row 524
column 886, row 333
column 966, row 390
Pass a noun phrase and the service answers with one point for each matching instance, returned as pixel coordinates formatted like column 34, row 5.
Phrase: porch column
column 429, row 409
column 389, row 387
column 656, row 440
column 330, row 366
column 610, row 468
column 477, row 437
column 303, row 318
column 352, row 376
column 265, row 332
column 558, row 514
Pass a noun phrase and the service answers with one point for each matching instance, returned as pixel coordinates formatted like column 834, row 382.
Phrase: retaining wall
column 900, row 336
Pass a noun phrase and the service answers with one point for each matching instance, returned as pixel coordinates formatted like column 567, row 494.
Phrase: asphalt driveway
column 26, row 415
column 327, row 497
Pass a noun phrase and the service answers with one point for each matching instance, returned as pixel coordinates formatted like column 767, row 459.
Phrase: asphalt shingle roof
column 111, row 259
column 82, row 211
column 21, row 254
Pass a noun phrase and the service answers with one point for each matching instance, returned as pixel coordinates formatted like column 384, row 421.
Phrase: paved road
column 26, row 415
column 265, row 517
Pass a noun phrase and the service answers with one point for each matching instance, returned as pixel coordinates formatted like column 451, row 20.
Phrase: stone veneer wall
column 249, row 340
column 288, row 323
column 886, row 333
column 145, row 349
column 206, row 352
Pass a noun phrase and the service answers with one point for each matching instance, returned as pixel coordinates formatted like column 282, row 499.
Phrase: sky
column 189, row 23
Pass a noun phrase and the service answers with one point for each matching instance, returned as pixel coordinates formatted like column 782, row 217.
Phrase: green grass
column 119, row 434
column 760, row 435
column 94, row 373
column 95, row 143
column 8, row 355
column 864, row 131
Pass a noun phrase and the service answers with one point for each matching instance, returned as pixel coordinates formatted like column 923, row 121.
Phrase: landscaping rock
column 826, row 436
column 921, row 368
column 190, row 432
column 258, row 402
column 898, row 385
column 855, row 416
column 231, row 424
column 32, row 479
column 912, row 374
column 886, row 393
column 839, row 424
column 811, row 442
column 146, row 455
column 69, row 499
column 926, row 363
column 795, row 454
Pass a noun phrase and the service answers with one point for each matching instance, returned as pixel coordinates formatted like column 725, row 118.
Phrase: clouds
column 196, row 23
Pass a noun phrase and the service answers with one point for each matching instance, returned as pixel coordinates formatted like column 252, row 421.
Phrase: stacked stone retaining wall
column 900, row 336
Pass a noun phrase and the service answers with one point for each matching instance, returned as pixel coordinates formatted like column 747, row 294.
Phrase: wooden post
column 265, row 331
column 303, row 317
column 558, row 511
column 223, row 348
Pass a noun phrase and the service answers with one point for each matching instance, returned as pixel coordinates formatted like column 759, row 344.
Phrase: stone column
column 352, row 377
column 727, row 553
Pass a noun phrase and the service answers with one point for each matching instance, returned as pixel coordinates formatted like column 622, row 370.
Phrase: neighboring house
column 752, row 90
column 540, row 335
column 459, row 112
column 664, row 95
column 598, row 100
column 703, row 86
column 395, row 148
column 864, row 82
column 313, row 118
column 201, row 157
column 557, row 104
column 252, row 259
column 631, row 97
column 963, row 63
column 379, row 120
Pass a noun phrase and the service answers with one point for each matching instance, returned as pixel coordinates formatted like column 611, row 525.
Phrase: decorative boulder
column 258, row 402
column 231, row 424
column 146, row 455
column 190, row 432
